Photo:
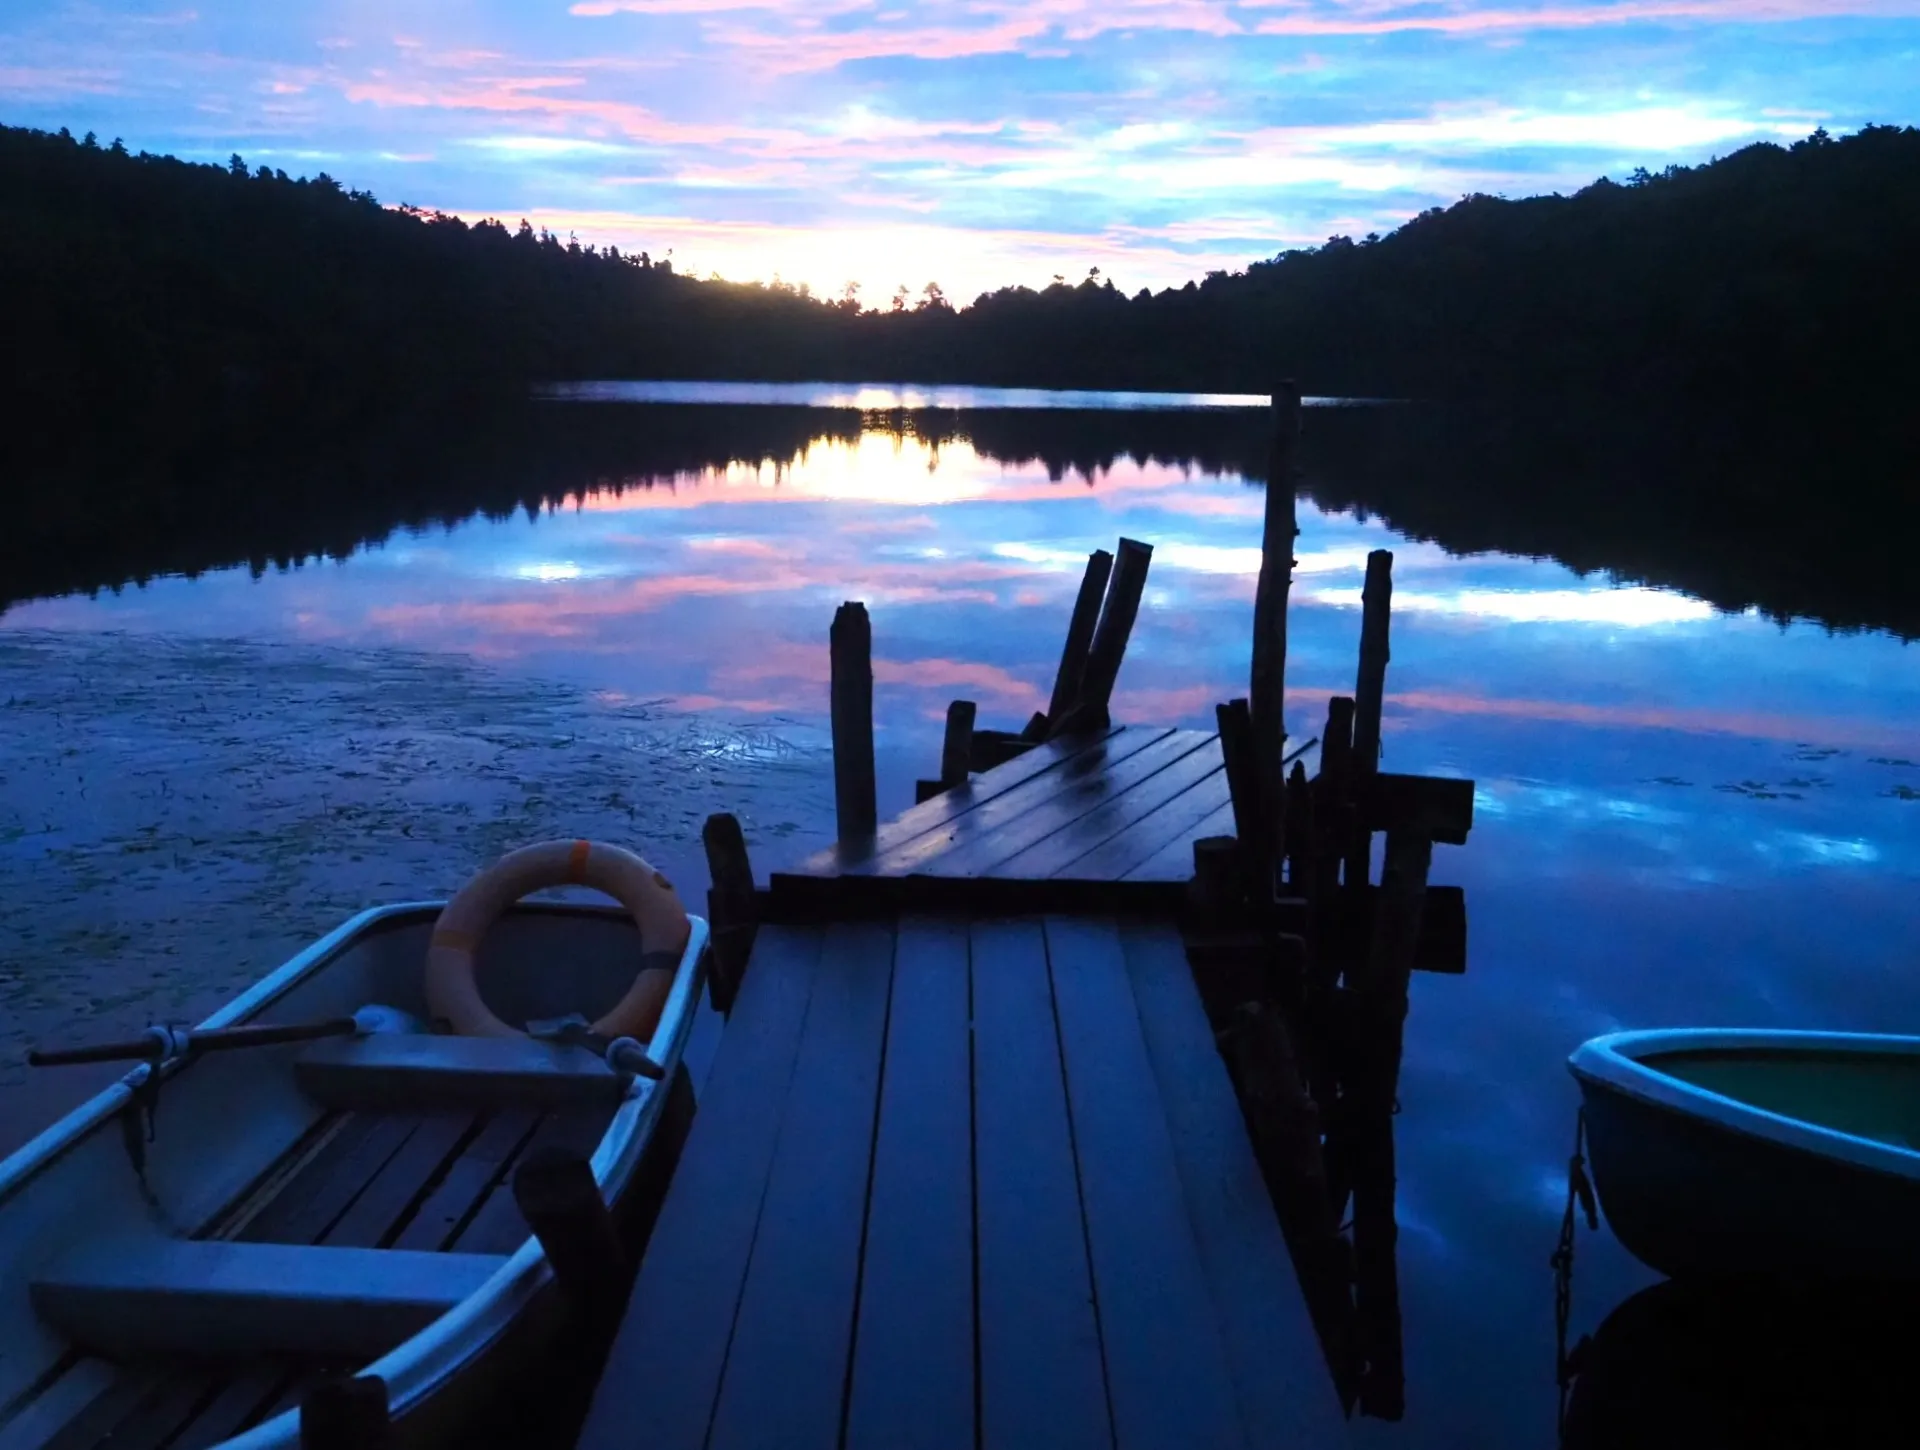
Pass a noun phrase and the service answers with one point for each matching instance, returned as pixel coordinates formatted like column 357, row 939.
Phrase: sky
column 972, row 143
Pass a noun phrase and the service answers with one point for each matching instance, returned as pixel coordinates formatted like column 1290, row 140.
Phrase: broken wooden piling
column 1073, row 656
column 1124, row 588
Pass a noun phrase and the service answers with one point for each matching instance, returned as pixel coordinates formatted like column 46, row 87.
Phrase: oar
column 159, row 1044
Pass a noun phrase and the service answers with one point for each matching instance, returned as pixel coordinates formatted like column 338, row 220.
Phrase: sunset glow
column 972, row 143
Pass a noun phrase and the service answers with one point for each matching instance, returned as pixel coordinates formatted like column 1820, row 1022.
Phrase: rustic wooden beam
column 1372, row 1083
column 555, row 1192
column 956, row 751
column 1301, row 842
column 1437, row 807
column 731, row 908
column 1284, row 1126
column 856, row 810
column 1219, row 891
column 990, row 748
column 1086, row 613
column 1346, row 927
column 1333, row 811
column 1124, row 588
column 1369, row 696
column 1235, row 722
column 1267, row 688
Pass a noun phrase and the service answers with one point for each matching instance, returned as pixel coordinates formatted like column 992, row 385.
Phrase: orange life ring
column 646, row 894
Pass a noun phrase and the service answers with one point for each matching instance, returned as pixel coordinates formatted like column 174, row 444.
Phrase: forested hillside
column 135, row 281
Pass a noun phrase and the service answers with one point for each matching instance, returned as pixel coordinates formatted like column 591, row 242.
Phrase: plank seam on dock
column 1061, row 873
column 1079, row 1185
column 866, row 1195
column 1081, row 799
column 760, row 1206
column 973, row 1179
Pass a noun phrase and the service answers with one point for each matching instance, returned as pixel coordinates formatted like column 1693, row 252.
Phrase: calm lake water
column 1683, row 816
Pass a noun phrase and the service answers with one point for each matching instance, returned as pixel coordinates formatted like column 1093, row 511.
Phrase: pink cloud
column 1464, row 17
column 50, row 82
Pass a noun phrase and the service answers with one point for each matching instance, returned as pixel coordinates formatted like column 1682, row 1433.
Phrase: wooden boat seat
column 388, row 1072
column 249, row 1301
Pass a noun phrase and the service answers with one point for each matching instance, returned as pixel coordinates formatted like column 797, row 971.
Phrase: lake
column 1685, row 815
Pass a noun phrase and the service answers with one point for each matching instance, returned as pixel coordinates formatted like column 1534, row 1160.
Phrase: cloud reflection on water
column 1683, row 815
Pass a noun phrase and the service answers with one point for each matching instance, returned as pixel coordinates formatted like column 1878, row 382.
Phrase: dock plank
column 1285, row 1390
column 1174, row 860
column 1042, row 1379
column 786, row 1369
column 663, row 1372
column 929, row 852
column 859, row 858
column 1174, row 823
column 1056, row 855
column 988, row 855
column 912, row 1385
column 1166, row 1357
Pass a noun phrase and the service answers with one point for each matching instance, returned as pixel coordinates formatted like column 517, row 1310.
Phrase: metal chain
column 1579, row 1193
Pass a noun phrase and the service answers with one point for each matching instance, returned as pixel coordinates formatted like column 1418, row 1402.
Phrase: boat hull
column 1694, row 1184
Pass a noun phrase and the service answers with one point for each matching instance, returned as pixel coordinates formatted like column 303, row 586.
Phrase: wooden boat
column 1783, row 1155
column 343, row 1202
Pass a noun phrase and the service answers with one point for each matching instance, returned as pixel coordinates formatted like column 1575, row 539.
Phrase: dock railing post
column 1267, row 692
column 1243, row 790
column 732, row 910
column 956, row 750
column 1086, row 613
column 1333, row 809
column 1369, row 698
column 851, row 644
column 1124, row 588
column 556, row 1194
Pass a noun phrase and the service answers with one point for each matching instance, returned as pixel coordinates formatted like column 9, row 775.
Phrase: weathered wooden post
column 956, row 750
column 851, row 646
column 556, row 1194
column 1109, row 647
column 1380, row 988
column 1284, row 1125
column 1333, row 812
column 732, row 909
column 1086, row 613
column 1235, row 722
column 1267, row 692
column 1300, row 838
column 1369, row 698
column 346, row 1412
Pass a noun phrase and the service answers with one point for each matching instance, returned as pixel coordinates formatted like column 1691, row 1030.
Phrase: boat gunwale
column 1617, row 1061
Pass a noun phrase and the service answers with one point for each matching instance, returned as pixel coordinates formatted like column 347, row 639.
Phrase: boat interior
column 1868, row 1094
column 303, row 1208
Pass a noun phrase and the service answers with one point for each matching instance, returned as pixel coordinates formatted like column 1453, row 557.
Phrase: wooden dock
column 1116, row 807
column 967, row 1182
column 1040, row 1107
